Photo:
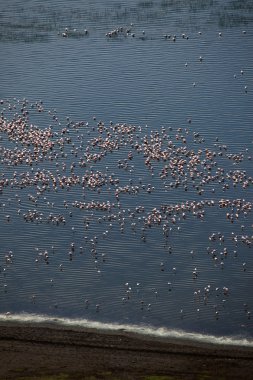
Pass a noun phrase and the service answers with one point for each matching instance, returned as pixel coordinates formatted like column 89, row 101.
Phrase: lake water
column 126, row 165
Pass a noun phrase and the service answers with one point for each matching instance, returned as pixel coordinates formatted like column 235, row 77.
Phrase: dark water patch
column 245, row 5
column 145, row 4
column 197, row 5
column 227, row 20
column 44, row 20
column 12, row 36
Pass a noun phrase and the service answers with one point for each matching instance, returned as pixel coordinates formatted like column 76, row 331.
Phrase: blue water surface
column 171, row 248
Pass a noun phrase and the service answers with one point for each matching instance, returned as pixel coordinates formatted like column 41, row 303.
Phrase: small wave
column 160, row 332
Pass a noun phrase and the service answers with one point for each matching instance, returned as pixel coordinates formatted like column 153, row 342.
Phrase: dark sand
column 27, row 350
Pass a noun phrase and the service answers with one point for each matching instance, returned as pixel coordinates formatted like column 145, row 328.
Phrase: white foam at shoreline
column 160, row 332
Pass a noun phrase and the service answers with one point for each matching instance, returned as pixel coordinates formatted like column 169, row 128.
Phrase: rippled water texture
column 126, row 163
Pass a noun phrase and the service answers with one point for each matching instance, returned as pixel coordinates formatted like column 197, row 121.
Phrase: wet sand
column 29, row 351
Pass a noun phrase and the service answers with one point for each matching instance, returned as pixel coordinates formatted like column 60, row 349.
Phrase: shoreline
column 138, row 330
column 31, row 351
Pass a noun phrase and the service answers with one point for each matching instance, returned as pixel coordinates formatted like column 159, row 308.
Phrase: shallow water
column 119, row 260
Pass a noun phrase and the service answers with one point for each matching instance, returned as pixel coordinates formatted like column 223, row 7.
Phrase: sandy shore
column 29, row 351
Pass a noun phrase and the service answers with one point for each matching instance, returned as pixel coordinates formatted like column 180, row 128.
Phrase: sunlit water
column 143, row 260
